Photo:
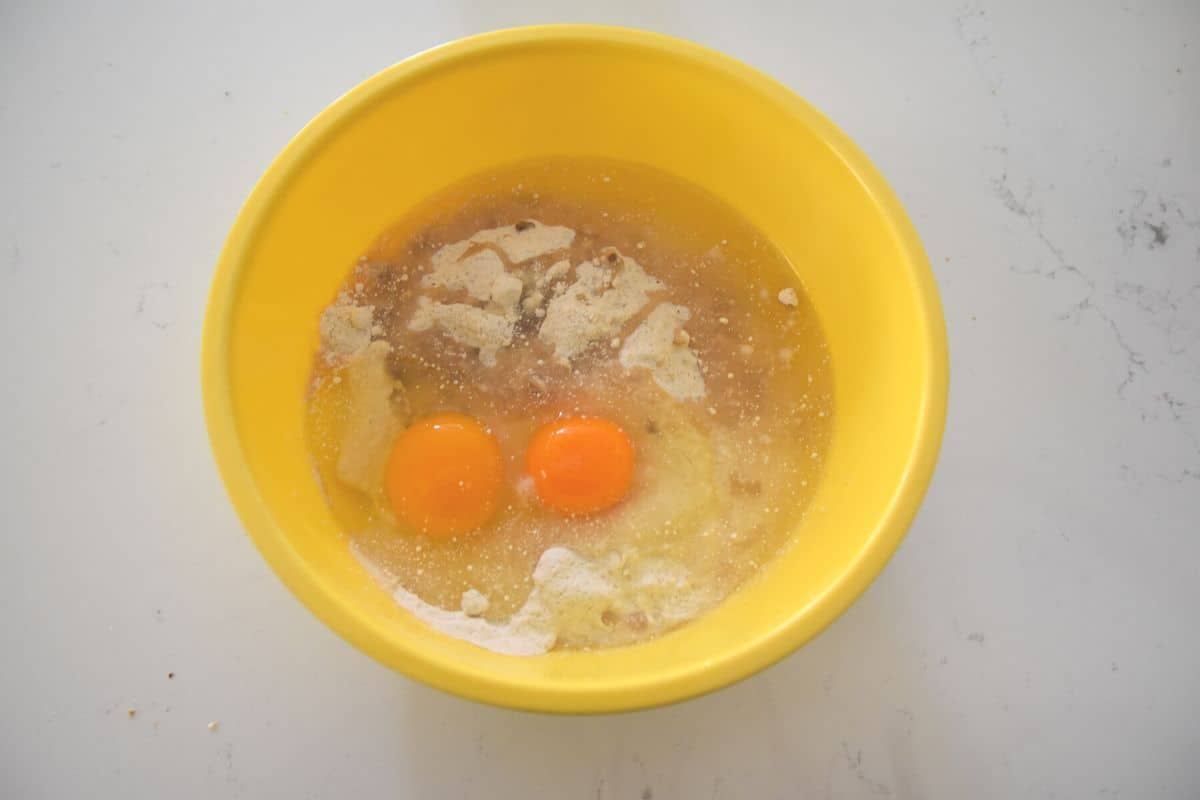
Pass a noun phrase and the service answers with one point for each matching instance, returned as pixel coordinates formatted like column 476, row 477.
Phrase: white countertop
column 1035, row 637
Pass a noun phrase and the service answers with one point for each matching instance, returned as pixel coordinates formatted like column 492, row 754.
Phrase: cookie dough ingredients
column 608, row 291
column 574, row 601
column 552, row 407
column 580, row 465
column 444, row 475
column 657, row 345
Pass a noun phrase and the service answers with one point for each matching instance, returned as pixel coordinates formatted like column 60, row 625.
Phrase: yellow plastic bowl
column 503, row 97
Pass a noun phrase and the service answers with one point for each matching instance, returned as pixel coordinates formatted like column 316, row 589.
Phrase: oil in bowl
column 569, row 404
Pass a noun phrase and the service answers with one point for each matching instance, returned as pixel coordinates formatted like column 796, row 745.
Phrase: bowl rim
column 658, row 690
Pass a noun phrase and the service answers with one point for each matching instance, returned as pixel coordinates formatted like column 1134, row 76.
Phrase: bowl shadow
column 833, row 720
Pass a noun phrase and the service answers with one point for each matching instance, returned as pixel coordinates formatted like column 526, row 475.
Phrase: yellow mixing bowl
column 503, row 97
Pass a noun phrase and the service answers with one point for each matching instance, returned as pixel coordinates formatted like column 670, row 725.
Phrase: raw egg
column 445, row 475
column 580, row 465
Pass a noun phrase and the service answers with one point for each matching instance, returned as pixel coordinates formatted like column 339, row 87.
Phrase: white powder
column 449, row 254
column 527, row 239
column 789, row 297
column 654, row 345
column 476, row 273
column 468, row 325
column 506, row 293
column 558, row 269
column 345, row 329
column 569, row 601
column 468, row 266
column 607, row 293
column 595, row 307
column 377, row 421
column 532, row 301
column 474, row 603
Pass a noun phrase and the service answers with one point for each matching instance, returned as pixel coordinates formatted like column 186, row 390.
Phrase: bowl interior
column 516, row 95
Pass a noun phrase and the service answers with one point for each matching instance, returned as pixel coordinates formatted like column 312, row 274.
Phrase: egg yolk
column 580, row 465
column 444, row 475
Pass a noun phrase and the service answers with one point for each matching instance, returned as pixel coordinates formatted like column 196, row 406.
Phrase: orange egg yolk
column 445, row 475
column 580, row 465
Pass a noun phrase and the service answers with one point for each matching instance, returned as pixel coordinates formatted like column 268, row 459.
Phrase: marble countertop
column 1035, row 636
